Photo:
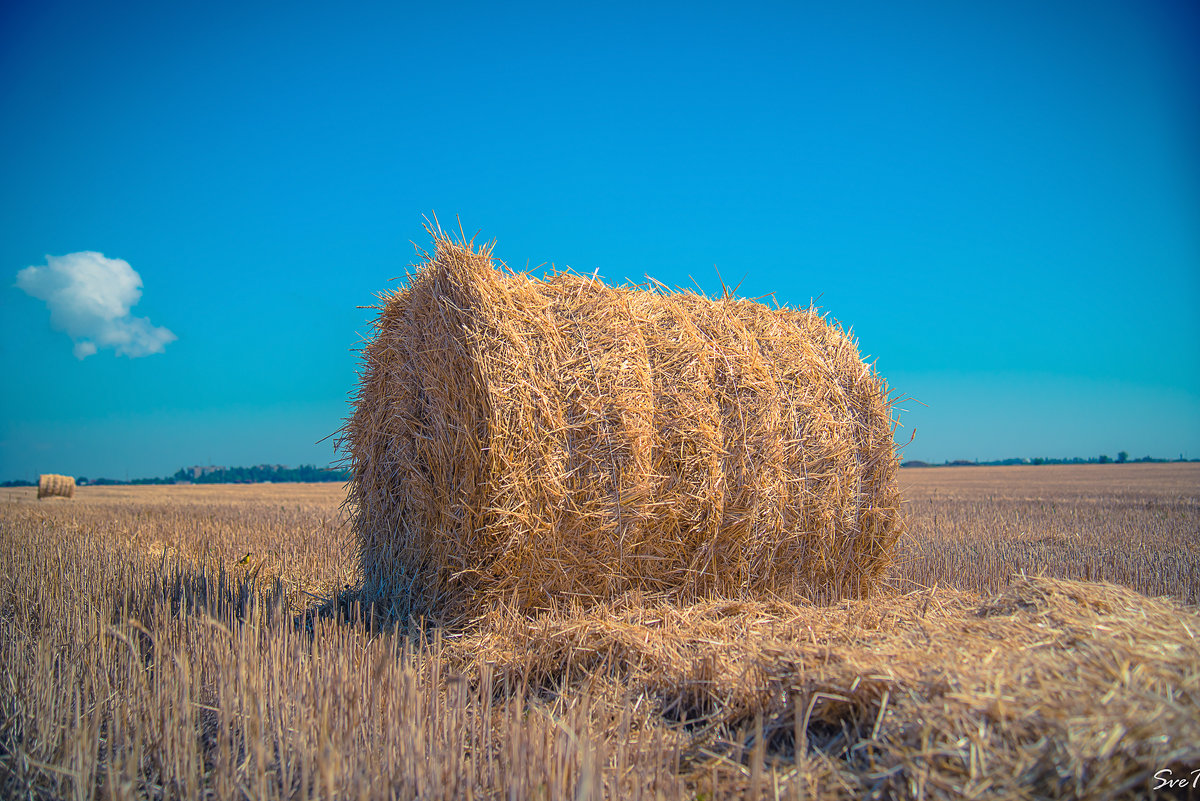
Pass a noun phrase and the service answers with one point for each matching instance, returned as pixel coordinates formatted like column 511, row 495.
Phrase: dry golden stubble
column 138, row 670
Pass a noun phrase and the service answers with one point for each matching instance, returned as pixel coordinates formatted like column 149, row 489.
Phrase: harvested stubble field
column 144, row 655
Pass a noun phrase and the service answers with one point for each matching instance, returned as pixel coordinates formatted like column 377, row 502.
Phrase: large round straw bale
column 543, row 442
column 52, row 485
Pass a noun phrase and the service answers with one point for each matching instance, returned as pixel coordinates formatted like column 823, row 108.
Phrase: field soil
column 1037, row 637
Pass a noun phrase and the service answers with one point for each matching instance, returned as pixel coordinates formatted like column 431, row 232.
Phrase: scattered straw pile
column 51, row 485
column 1052, row 689
column 544, row 442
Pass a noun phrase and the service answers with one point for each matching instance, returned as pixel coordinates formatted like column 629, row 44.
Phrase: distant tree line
column 1122, row 458
column 220, row 475
column 262, row 473
column 308, row 473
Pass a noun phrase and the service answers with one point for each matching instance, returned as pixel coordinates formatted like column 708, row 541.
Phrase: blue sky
column 1002, row 199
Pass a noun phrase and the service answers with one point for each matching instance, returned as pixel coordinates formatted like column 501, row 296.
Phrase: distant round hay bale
column 52, row 485
column 536, row 443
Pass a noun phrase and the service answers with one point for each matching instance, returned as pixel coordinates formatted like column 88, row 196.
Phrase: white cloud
column 89, row 297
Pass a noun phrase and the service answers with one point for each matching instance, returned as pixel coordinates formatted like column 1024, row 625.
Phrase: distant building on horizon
column 203, row 470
